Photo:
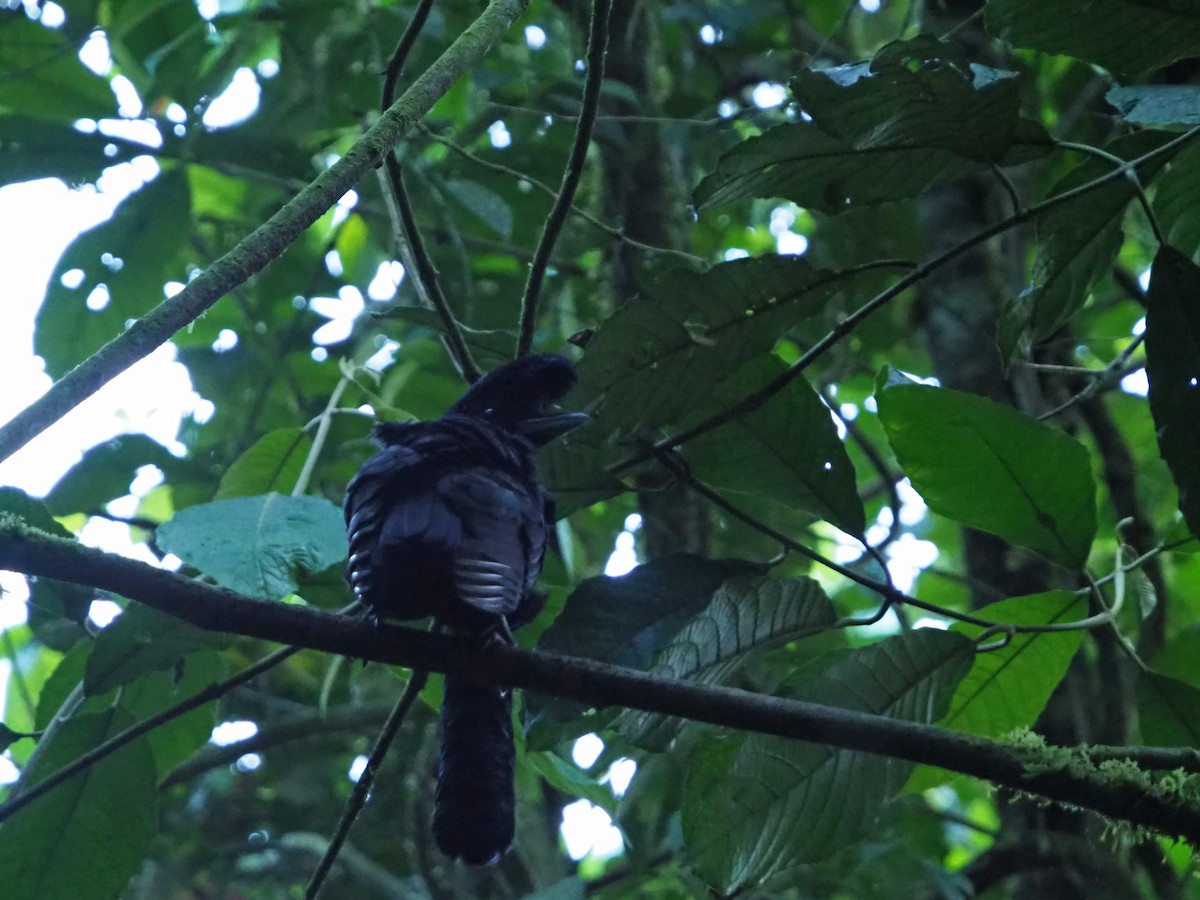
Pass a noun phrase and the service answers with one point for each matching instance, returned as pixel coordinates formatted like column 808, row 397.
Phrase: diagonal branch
column 27, row 550
column 265, row 243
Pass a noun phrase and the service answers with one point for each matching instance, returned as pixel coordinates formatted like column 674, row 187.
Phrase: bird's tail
column 473, row 810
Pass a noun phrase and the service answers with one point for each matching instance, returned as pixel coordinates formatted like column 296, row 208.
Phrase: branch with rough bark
column 26, row 550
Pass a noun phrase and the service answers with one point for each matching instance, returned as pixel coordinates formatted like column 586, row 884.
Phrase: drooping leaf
column 256, row 545
column 568, row 778
column 272, row 464
column 88, row 836
column 1124, row 37
column 1008, row 688
column 1077, row 243
column 755, row 805
column 1168, row 711
column 150, row 227
column 142, row 640
column 1173, row 370
column 658, row 356
column 787, row 450
column 958, row 448
column 746, row 616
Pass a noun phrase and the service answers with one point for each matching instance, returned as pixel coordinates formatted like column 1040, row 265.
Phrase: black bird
column 449, row 519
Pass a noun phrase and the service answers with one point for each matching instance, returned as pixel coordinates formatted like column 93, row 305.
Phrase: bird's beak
column 543, row 429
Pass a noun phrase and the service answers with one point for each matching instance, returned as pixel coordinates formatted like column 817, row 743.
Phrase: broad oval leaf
column 746, row 616
column 87, row 837
column 755, row 805
column 959, row 449
column 257, row 545
column 787, row 450
column 1173, row 370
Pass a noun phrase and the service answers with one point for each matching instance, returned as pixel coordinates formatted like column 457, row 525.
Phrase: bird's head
column 520, row 396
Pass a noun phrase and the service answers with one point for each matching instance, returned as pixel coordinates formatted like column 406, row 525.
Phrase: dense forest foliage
column 875, row 574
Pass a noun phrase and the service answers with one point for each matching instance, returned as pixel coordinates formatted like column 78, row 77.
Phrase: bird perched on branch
column 449, row 519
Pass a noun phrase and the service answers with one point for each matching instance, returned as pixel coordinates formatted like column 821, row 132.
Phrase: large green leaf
column 150, row 228
column 1124, row 36
column 1077, row 243
column 988, row 466
column 1173, row 370
column 756, row 805
column 1008, row 688
column 256, row 545
column 33, row 148
column 746, row 616
column 787, row 450
column 657, row 357
column 87, row 837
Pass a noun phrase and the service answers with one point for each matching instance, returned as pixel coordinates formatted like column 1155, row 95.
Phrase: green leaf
column 150, row 227
column 15, row 502
column 488, row 206
column 142, row 640
column 626, row 619
column 573, row 471
column 87, row 837
column 1168, row 711
column 787, row 450
column 272, row 464
column 657, row 357
column 256, row 545
column 1124, row 36
column 1177, row 202
column 922, row 94
column 47, row 78
column 1008, row 688
column 106, row 472
column 176, row 740
column 957, row 448
column 1173, row 370
column 756, row 805
column 32, row 148
column 568, row 778
column 1077, row 243
column 745, row 617
column 1157, row 104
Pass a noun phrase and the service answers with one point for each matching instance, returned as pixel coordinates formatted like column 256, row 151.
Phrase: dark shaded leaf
column 1168, row 711
column 15, row 502
column 1177, row 202
column 756, row 805
column 105, row 473
column 658, row 356
column 787, row 450
column 87, row 837
column 142, row 640
column 1124, row 36
column 1173, row 370
column 32, row 148
column 1157, row 104
column 957, row 448
column 53, row 82
column 746, row 616
column 256, row 545
column 1077, row 244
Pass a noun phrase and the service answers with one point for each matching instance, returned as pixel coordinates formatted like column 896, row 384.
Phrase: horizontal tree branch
column 265, row 243
column 26, row 550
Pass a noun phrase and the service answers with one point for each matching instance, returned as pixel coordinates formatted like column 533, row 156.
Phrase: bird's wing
column 501, row 530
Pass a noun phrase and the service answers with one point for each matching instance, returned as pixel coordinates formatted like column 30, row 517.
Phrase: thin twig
column 597, row 47
column 1100, row 380
column 1130, row 171
column 401, row 206
column 362, row 787
column 318, row 444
